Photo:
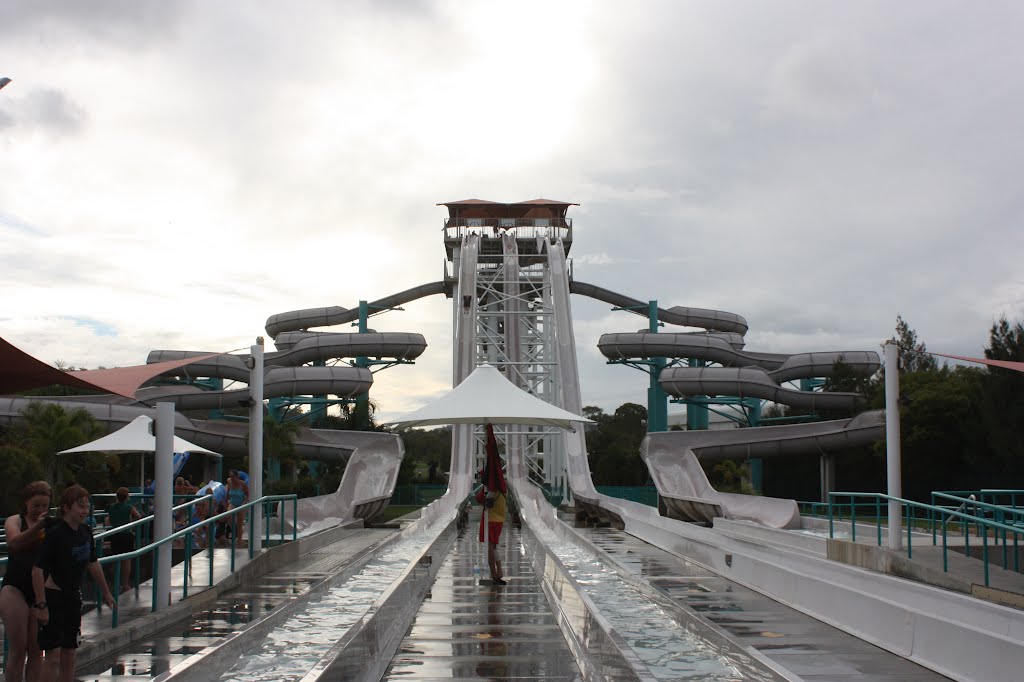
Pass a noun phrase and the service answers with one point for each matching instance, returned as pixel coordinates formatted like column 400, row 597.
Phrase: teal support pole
column 756, row 464
column 696, row 411
column 757, row 475
column 317, row 403
column 657, row 399
column 362, row 406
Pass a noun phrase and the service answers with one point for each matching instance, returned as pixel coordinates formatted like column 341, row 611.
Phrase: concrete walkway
column 468, row 628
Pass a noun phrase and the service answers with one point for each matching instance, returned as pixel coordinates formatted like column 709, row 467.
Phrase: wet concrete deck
column 470, row 629
column 807, row 647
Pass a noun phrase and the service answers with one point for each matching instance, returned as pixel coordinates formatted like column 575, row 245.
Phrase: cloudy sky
column 173, row 173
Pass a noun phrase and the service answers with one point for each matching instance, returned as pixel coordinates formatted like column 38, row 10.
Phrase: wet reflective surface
column 671, row 650
column 291, row 649
column 155, row 655
column 470, row 629
column 811, row 649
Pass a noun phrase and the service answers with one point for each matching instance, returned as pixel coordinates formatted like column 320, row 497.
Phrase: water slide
column 726, row 351
column 672, row 458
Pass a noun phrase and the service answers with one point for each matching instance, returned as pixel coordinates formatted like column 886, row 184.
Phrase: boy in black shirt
column 67, row 552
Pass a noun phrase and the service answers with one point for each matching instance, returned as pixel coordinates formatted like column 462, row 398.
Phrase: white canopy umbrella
column 137, row 436
column 487, row 397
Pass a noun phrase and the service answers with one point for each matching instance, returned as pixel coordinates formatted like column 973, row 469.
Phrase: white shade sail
column 487, row 397
column 137, row 436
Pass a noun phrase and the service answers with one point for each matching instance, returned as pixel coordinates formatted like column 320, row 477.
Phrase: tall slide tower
column 504, row 313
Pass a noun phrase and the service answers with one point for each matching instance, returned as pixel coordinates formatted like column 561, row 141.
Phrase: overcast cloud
column 171, row 174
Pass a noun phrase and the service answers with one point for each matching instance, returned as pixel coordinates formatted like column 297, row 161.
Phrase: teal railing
column 186, row 536
column 964, row 514
column 999, row 496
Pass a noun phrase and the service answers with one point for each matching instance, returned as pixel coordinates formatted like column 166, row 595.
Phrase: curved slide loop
column 297, row 348
column 671, row 458
column 713, row 348
column 680, row 315
column 299, row 320
column 344, row 382
column 749, row 382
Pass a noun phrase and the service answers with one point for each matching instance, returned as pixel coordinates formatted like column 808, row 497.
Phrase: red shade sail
column 1004, row 364
column 19, row 371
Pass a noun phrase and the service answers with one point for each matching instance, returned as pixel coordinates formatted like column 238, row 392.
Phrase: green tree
column 613, row 445
column 18, row 467
column 48, row 428
column 914, row 356
column 1003, row 396
column 423, row 446
column 729, row 476
column 279, row 441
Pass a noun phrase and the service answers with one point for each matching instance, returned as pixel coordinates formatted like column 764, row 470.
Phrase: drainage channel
column 309, row 633
column 667, row 642
column 807, row 647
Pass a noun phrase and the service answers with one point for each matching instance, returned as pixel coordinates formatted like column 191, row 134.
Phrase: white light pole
column 892, row 443
column 256, row 436
column 163, row 498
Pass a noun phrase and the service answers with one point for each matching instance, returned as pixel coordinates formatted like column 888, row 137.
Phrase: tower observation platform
column 530, row 221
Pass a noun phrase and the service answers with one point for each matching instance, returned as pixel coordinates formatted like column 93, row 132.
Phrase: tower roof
column 496, row 210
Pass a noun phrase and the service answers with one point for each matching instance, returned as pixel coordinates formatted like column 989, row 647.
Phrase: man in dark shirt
column 67, row 552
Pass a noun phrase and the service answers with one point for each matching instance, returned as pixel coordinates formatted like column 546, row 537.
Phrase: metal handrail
column 186, row 534
column 932, row 509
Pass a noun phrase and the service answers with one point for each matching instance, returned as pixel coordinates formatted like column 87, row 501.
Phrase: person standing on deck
column 68, row 551
column 19, row 602
column 494, row 512
column 492, row 496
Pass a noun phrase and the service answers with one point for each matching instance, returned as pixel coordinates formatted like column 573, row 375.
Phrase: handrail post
column 252, row 531
column 910, row 528
column 211, row 538
column 186, row 565
column 878, row 518
column 1001, row 516
column 117, row 593
column 984, row 554
column 831, row 527
column 295, row 520
column 156, row 570
column 853, row 519
column 945, row 559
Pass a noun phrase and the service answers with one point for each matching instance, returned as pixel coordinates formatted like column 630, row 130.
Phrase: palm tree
column 49, row 428
column 279, row 441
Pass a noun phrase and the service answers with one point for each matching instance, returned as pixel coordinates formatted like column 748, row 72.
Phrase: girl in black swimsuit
column 25, row 533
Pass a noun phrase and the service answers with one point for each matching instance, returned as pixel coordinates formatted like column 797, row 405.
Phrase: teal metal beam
column 657, row 399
